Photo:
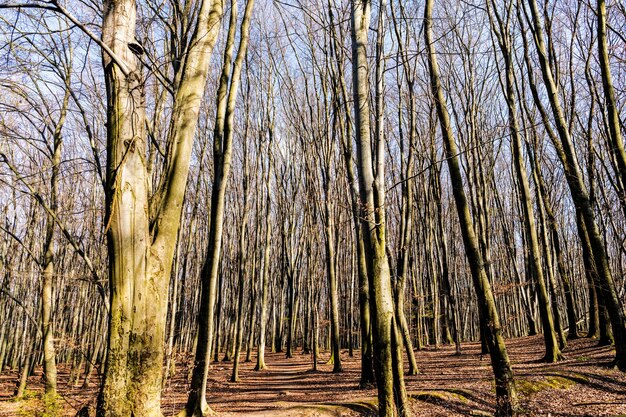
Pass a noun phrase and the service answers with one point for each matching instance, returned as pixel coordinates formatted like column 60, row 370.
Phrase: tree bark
column 371, row 193
column 141, row 233
column 615, row 134
column 580, row 195
column 506, row 394
column 222, row 156
column 503, row 36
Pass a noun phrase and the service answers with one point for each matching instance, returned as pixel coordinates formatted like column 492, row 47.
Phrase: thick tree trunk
column 141, row 233
column 372, row 192
column 128, row 233
column 367, row 364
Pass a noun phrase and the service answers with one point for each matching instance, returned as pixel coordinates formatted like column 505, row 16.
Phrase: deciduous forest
column 312, row 208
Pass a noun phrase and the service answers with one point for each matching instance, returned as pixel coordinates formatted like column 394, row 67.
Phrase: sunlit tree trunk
column 372, row 199
column 332, row 282
column 506, row 394
column 615, row 133
column 406, row 205
column 500, row 27
column 265, row 279
column 346, row 130
column 141, row 232
column 242, row 257
column 47, row 328
column 222, row 156
column 580, row 195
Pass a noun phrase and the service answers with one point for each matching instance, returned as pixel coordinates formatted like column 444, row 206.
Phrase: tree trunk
column 141, row 233
column 372, row 192
column 567, row 155
column 503, row 37
column 506, row 394
column 332, row 284
column 560, row 261
column 222, row 155
column 615, row 135
column 367, row 364
column 241, row 262
column 260, row 364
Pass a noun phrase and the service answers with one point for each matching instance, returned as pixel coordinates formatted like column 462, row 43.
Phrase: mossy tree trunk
column 141, row 229
column 565, row 150
column 340, row 96
column 506, row 394
column 222, row 156
column 614, row 132
column 407, row 145
column 391, row 393
column 500, row 23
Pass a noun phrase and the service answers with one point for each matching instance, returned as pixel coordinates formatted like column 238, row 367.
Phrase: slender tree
column 578, row 189
column 222, row 155
column 500, row 24
column 506, row 393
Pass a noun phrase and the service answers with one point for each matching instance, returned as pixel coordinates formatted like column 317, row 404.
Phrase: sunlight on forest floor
column 447, row 385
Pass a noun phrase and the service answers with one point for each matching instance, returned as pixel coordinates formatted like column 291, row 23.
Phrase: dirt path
column 447, row 385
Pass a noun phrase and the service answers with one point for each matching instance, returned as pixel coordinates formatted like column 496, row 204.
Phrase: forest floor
column 447, row 385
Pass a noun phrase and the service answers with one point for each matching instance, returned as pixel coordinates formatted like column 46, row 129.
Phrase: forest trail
column 447, row 385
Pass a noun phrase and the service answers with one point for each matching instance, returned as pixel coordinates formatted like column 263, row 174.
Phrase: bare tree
column 506, row 394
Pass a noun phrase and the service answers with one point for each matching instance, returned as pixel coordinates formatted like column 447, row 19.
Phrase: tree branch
column 53, row 5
